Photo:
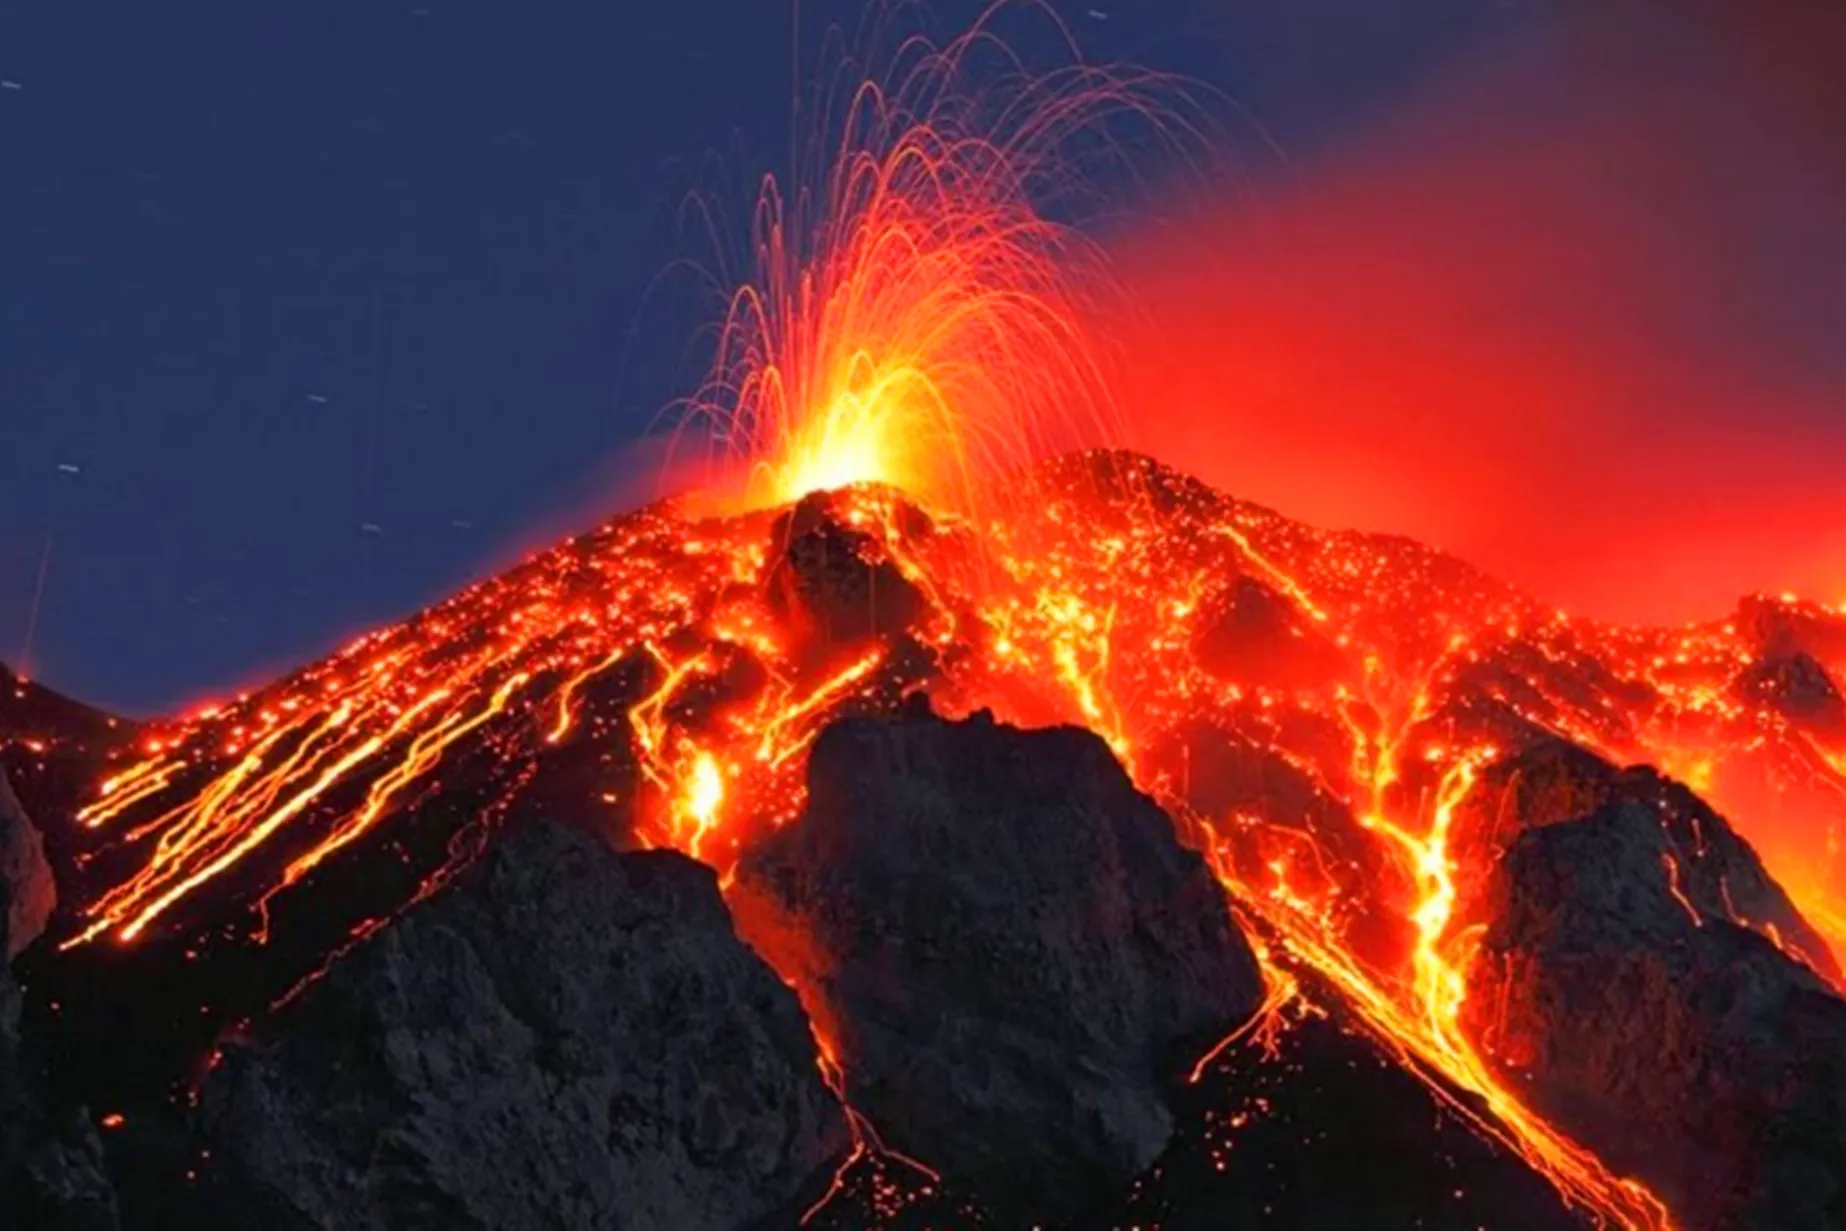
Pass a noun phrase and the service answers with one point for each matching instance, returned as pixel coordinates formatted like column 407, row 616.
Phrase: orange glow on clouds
column 1573, row 315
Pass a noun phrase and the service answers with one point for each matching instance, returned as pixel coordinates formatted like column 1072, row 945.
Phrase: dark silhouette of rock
column 1683, row 1048
column 60, row 1182
column 568, row 1038
column 1799, row 688
column 834, row 583
column 1554, row 781
column 31, row 893
column 1320, row 1127
column 51, row 1163
column 1007, row 945
column 1777, row 627
column 29, row 710
column 1249, row 633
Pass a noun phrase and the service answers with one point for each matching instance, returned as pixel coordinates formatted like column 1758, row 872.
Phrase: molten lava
column 916, row 328
column 915, row 319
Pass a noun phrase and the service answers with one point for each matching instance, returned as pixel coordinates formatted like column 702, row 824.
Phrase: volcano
column 1132, row 854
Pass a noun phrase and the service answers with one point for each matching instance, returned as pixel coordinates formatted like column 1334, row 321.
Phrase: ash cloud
column 1577, row 311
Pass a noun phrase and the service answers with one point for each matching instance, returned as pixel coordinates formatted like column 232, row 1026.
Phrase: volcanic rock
column 1007, row 947
column 1319, row 1125
column 25, row 875
column 60, row 1182
column 1267, row 807
column 1554, row 781
column 1685, row 1049
column 1799, row 688
column 569, row 1038
column 834, row 582
column 1253, row 635
column 1776, row 627
column 51, row 1162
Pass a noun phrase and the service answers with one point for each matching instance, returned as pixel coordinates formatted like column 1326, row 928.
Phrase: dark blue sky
column 270, row 272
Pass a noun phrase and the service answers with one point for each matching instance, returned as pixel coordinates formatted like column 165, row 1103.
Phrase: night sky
column 332, row 306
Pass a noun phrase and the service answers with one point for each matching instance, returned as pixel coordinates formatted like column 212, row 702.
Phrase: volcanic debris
column 1552, row 782
column 1797, row 686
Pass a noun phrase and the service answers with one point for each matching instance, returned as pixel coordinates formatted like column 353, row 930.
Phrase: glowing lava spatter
column 915, row 318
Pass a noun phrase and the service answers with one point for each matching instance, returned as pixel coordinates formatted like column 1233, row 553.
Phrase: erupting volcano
column 1379, row 752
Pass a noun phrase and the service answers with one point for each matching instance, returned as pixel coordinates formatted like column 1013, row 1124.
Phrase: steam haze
column 1577, row 312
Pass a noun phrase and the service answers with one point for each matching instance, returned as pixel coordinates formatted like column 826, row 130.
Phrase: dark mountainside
column 966, row 980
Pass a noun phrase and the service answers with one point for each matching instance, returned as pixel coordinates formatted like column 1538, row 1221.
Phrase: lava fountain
column 916, row 317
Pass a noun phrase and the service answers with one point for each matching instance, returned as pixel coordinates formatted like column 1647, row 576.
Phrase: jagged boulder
column 569, row 1038
column 30, row 892
column 1776, row 627
column 1007, row 946
column 1683, row 1048
column 1554, row 781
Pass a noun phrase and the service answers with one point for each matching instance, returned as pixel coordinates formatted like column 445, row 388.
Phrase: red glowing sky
column 1576, row 313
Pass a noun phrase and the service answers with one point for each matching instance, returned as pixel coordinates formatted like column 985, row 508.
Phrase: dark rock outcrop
column 568, row 1038
column 30, row 893
column 1249, row 633
column 833, row 582
column 60, row 1181
column 1007, row 945
column 1776, row 627
column 52, row 1175
column 1799, row 688
column 1553, row 781
column 1683, row 1048
column 1319, row 1127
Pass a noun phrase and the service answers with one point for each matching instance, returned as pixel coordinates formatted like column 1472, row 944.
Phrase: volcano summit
column 1371, row 892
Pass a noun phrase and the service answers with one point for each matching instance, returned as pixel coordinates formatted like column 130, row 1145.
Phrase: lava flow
column 1316, row 709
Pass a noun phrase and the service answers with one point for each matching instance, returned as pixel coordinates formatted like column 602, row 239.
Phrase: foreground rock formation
column 30, row 893
column 1009, row 949
column 51, row 1161
column 1553, row 782
column 570, row 1038
column 1685, row 1048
